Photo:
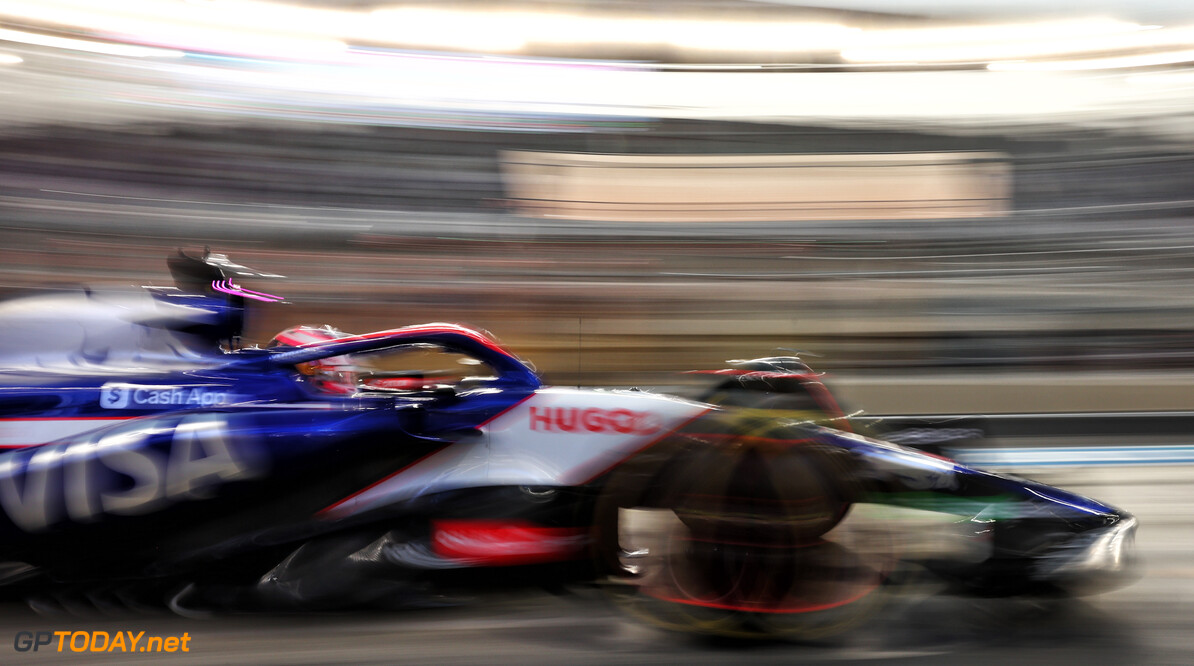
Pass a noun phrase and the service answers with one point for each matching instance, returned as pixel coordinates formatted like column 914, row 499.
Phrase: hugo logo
column 592, row 419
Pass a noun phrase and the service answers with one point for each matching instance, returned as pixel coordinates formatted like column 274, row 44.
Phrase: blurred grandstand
column 904, row 222
column 1088, row 267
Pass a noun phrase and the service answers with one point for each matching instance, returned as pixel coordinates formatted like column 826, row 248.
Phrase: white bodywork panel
column 556, row 437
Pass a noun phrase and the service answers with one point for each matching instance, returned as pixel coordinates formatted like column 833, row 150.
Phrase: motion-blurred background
column 957, row 207
column 994, row 201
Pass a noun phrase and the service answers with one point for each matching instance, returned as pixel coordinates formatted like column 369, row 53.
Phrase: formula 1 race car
column 147, row 456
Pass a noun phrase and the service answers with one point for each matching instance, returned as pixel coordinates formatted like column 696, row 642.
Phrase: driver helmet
column 335, row 374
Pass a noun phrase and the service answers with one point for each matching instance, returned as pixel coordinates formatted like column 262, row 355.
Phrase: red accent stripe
column 303, row 336
column 420, row 329
column 505, row 411
column 829, row 404
column 322, row 513
column 505, row 542
column 807, row 608
column 68, row 418
column 816, row 387
column 935, row 455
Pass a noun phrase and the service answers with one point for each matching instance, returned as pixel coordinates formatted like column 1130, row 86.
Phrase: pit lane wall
column 1010, row 392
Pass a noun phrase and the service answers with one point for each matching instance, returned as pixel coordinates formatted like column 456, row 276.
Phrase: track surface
column 1149, row 622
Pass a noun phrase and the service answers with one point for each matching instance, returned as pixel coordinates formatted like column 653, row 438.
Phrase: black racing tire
column 743, row 504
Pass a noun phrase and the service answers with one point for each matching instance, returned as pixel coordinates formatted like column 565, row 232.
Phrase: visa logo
column 121, row 473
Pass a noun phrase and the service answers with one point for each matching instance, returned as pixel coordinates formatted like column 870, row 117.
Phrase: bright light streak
column 282, row 31
column 240, row 28
column 86, row 45
column 757, row 37
column 239, row 42
column 1182, row 78
column 255, row 27
column 1121, row 62
column 1024, row 42
column 9, row 59
column 259, row 17
column 511, row 31
column 469, row 31
column 558, row 28
column 1006, row 32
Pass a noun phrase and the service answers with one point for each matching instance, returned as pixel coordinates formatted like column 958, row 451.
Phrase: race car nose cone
column 1094, row 561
